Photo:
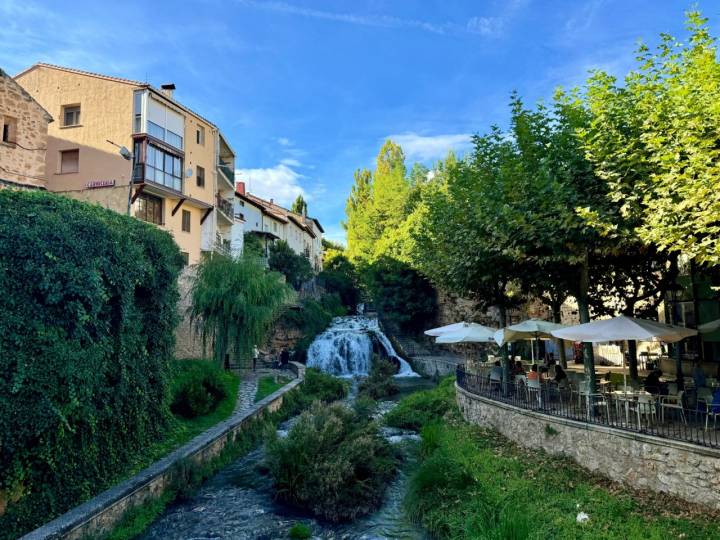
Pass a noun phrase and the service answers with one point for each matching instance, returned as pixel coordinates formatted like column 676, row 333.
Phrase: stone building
column 24, row 125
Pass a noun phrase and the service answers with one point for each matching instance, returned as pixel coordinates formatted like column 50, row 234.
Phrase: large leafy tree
column 654, row 140
column 296, row 268
column 299, row 205
column 359, row 224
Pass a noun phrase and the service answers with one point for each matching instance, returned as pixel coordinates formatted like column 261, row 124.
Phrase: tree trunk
column 584, row 312
column 560, row 342
column 633, row 363
column 679, row 377
column 505, row 360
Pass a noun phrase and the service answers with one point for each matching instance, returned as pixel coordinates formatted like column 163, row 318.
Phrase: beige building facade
column 23, row 137
column 123, row 143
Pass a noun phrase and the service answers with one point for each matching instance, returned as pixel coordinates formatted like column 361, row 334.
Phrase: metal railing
column 228, row 172
column 686, row 417
column 225, row 206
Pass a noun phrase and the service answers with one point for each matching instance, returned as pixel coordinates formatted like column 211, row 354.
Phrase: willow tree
column 234, row 304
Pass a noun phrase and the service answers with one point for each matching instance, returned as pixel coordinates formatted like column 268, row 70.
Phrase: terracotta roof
column 118, row 80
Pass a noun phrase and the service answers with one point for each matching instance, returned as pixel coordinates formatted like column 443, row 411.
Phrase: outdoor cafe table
column 627, row 396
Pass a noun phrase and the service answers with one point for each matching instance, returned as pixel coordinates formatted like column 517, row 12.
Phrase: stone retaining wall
column 429, row 366
column 100, row 514
column 641, row 461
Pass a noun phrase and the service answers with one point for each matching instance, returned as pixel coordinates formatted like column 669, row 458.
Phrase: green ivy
column 87, row 312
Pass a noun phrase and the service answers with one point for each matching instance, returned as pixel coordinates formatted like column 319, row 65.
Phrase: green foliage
column 300, row 530
column 296, row 268
column 313, row 317
column 332, row 463
column 87, row 313
column 299, row 205
column 473, row 483
column 140, row 518
column 234, row 303
column 268, row 385
column 198, row 387
column 653, row 140
column 340, row 277
column 253, row 246
column 323, row 387
column 404, row 297
column 421, row 408
column 380, row 383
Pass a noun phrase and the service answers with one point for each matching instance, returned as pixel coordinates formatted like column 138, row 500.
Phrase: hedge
column 87, row 313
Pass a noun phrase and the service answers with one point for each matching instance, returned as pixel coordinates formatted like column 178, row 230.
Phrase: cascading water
column 345, row 348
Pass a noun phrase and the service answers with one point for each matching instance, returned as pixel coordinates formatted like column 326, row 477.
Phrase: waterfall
column 345, row 348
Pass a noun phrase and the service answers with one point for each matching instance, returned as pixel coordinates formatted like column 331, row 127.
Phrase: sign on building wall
column 95, row 184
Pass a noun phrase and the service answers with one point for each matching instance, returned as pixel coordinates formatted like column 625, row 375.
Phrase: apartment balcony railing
column 225, row 206
column 228, row 172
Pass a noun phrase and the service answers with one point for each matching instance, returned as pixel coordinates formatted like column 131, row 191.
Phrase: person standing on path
column 256, row 355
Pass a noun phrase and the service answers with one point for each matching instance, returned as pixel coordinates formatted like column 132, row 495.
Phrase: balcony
column 225, row 208
column 144, row 173
column 228, row 173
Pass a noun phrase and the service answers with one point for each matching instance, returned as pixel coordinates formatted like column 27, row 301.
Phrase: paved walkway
column 249, row 384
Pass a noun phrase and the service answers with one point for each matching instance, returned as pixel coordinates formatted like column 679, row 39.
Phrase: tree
column 296, row 268
column 655, row 142
column 358, row 211
column 339, row 276
column 234, row 303
column 299, row 206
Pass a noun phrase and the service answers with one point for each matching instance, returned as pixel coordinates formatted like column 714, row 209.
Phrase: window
column 186, row 220
column 137, row 111
column 163, row 168
column 69, row 161
column 200, row 177
column 71, row 115
column 200, row 134
column 186, row 257
column 9, row 131
column 149, row 209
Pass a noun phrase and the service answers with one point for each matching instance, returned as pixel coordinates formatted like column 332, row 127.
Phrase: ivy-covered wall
column 87, row 312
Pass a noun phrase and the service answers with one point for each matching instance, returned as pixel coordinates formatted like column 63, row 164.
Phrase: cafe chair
column 673, row 402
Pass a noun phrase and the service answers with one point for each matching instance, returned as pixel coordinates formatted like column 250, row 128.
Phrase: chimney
column 240, row 188
column 272, row 201
column 168, row 89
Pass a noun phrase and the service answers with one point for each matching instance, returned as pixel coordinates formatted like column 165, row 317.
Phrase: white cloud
column 284, row 141
column 430, row 147
column 335, row 233
column 291, row 162
column 280, row 183
column 485, row 26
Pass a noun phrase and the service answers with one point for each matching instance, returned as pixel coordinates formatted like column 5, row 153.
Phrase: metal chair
column 672, row 402
column 644, row 406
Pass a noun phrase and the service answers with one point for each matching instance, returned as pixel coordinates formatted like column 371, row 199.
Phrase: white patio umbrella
column 709, row 326
column 530, row 329
column 469, row 333
column 624, row 328
column 440, row 330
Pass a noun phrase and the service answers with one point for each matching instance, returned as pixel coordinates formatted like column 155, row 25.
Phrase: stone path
column 249, row 384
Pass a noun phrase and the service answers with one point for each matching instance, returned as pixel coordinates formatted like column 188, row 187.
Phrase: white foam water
column 345, row 348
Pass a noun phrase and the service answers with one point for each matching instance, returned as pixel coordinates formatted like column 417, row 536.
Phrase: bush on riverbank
column 87, row 312
column 380, row 383
column 474, row 483
column 198, row 387
column 312, row 318
column 332, row 463
column 422, row 408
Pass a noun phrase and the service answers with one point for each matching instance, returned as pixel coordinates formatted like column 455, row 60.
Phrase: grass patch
column 474, row 483
column 268, row 385
column 139, row 518
column 422, row 408
column 300, row 531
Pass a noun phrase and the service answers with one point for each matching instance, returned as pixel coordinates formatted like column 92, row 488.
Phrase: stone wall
column 99, row 515
column 640, row 461
column 22, row 161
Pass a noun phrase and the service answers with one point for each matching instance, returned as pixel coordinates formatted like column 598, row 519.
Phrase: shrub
column 381, row 382
column 421, row 408
column 197, row 389
column 87, row 312
column 323, row 387
column 296, row 268
column 339, row 277
column 300, row 530
column 332, row 463
column 312, row 318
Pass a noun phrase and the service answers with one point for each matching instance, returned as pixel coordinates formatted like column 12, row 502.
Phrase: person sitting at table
column 518, row 369
column 534, row 376
column 698, row 375
column 653, row 384
column 496, row 373
column 561, row 377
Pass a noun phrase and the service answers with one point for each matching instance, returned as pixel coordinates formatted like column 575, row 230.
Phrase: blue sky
column 306, row 91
